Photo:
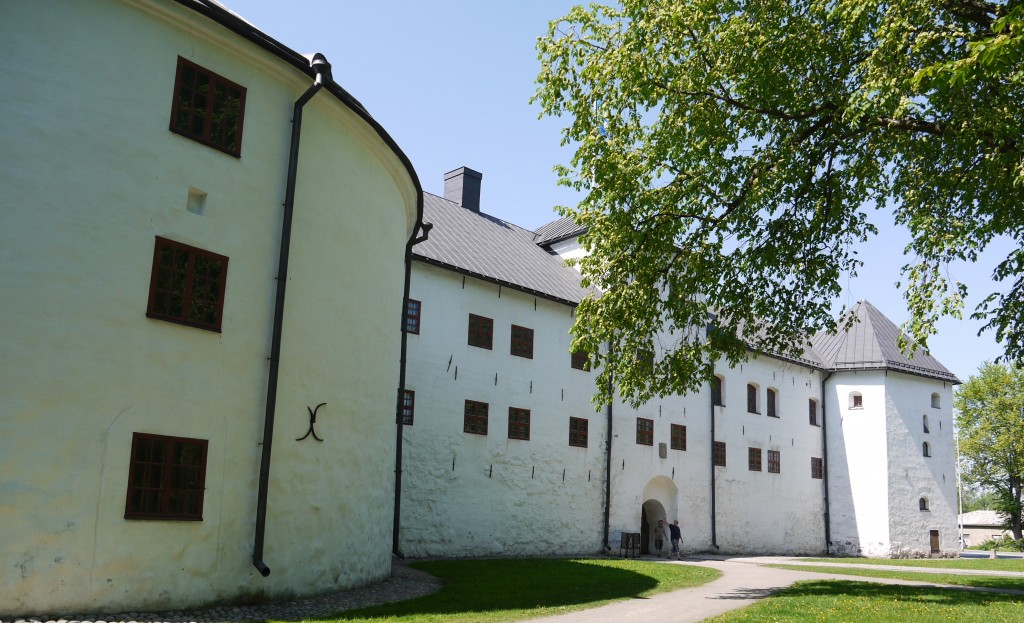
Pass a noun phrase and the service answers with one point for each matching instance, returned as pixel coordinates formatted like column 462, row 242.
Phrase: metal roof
column 995, row 519
column 558, row 230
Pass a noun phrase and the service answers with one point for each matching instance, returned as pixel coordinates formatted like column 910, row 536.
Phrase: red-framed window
column 481, row 331
column 754, row 459
column 412, row 316
column 518, row 423
column 208, row 108
column 817, row 467
column 645, row 431
column 772, row 399
column 678, row 437
column 408, row 407
column 774, row 462
column 578, row 431
column 718, row 453
column 522, row 342
column 580, row 360
column 475, row 418
column 812, row 411
column 166, row 478
column 187, row 285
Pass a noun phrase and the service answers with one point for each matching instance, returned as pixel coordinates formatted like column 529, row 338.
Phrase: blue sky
column 451, row 82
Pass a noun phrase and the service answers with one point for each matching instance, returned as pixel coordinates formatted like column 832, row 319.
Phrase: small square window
column 475, row 418
column 207, row 108
column 580, row 360
column 678, row 438
column 754, row 459
column 518, row 423
column 166, row 478
column 481, row 331
column 522, row 342
column 718, row 453
column 774, row 462
column 412, row 316
column 644, row 431
column 817, row 468
column 187, row 285
column 773, row 403
column 578, row 432
column 408, row 406
column 856, row 401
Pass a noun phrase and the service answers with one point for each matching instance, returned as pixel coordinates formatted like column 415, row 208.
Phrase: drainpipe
column 824, row 466
column 714, row 533
column 419, row 234
column 608, row 463
column 323, row 73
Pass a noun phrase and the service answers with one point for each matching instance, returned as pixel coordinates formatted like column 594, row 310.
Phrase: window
column 166, row 478
column 481, row 331
column 408, row 406
column 475, row 418
column 935, row 401
column 644, row 431
column 187, row 285
column 817, row 468
column 752, row 398
column 773, row 403
column 754, row 459
column 812, row 411
column 926, row 449
column 412, row 316
column 207, row 108
column 645, row 360
column 718, row 453
column 925, row 423
column 578, row 432
column 774, row 462
column 580, row 360
column 923, row 504
column 518, row 423
column 716, row 391
column 678, row 437
column 856, row 400
column 522, row 342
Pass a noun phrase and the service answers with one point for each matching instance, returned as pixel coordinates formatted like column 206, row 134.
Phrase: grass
column 981, row 564
column 862, row 602
column 981, row 581
column 487, row 591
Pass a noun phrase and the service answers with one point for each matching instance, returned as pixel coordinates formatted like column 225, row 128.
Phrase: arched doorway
column 650, row 512
column 660, row 500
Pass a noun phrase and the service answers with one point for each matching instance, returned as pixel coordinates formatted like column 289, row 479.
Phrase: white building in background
column 847, row 450
column 144, row 166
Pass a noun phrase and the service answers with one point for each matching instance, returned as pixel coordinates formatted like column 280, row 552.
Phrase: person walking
column 675, row 536
column 659, row 536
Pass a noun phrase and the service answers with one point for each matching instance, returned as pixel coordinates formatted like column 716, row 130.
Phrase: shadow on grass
column 896, row 593
column 477, row 586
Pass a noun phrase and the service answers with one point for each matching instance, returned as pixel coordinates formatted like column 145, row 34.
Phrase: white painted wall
column 89, row 175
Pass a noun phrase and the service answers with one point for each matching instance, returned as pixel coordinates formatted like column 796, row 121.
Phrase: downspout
column 419, row 234
column 714, row 532
column 824, row 466
column 608, row 461
column 323, row 73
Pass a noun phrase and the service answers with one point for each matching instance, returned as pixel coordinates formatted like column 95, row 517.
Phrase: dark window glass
column 412, row 316
column 408, row 406
column 817, row 469
column 752, row 398
column 518, row 423
column 644, row 431
column 718, row 453
column 481, row 331
column 578, row 432
column 754, row 459
column 187, row 285
column 774, row 462
column 166, row 478
column 678, row 437
column 522, row 342
column 475, row 418
column 772, row 399
column 812, row 412
column 581, row 360
column 716, row 391
column 208, row 108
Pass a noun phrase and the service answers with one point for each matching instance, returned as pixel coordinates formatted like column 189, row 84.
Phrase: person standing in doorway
column 675, row 536
column 659, row 536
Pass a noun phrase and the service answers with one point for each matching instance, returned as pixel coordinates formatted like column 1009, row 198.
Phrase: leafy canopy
column 730, row 155
column 990, row 422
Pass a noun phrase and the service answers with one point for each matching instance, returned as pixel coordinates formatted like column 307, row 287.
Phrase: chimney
column 463, row 187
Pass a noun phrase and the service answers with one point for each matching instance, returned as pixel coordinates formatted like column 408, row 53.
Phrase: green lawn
column 983, row 581
column 483, row 591
column 982, row 564
column 862, row 602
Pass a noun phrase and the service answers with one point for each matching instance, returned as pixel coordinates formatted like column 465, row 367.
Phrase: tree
column 990, row 421
column 730, row 155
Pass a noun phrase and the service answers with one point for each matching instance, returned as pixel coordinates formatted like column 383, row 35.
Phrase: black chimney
column 462, row 186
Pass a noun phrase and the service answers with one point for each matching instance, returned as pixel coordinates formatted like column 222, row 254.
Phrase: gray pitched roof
column 983, row 518
column 870, row 344
column 494, row 250
column 557, row 230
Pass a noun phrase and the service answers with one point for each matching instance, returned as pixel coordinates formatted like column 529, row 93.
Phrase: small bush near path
column 979, row 564
column 862, row 602
column 484, row 591
column 980, row 581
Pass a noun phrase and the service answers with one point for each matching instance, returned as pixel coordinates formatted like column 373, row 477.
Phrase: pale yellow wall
column 89, row 174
